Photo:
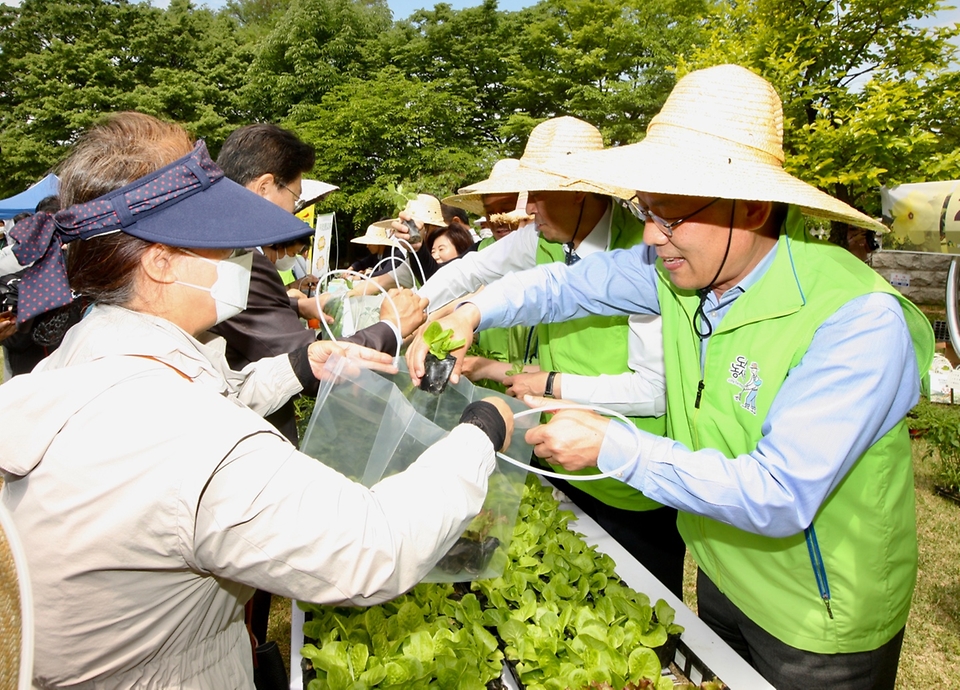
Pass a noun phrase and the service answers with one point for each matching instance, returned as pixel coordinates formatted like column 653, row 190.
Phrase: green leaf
column 643, row 663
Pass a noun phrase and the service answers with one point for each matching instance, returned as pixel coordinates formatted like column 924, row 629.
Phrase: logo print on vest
column 747, row 379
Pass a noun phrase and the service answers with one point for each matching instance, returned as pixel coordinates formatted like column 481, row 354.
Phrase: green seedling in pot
column 439, row 363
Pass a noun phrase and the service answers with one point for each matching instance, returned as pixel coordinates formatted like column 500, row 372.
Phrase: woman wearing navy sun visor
column 150, row 499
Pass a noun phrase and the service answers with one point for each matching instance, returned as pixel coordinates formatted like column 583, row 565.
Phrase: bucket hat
column 553, row 140
column 719, row 134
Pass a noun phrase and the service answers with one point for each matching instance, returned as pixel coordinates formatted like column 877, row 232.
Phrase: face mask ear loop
column 704, row 292
column 577, row 477
column 345, row 271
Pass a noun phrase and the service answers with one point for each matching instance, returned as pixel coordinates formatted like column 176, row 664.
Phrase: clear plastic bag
column 351, row 314
column 369, row 426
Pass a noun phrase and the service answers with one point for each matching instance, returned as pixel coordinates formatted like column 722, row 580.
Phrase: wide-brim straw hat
column 550, row 141
column 378, row 233
column 719, row 134
column 473, row 203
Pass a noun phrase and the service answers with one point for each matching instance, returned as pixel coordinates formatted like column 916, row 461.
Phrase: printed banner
column 320, row 256
column 923, row 217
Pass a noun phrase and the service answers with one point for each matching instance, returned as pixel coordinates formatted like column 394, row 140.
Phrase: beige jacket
column 151, row 505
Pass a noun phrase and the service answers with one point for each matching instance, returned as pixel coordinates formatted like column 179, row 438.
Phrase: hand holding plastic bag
column 356, row 357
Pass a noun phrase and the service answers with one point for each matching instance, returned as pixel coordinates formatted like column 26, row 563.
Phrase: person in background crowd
column 790, row 365
column 456, row 216
column 150, row 496
column 449, row 243
column 612, row 361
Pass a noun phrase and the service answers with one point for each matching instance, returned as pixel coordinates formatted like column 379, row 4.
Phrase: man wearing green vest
column 588, row 359
column 790, row 368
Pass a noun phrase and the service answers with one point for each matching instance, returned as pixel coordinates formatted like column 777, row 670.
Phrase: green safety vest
column 866, row 528
column 596, row 345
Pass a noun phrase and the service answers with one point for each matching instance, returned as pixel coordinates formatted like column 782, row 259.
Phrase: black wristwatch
column 548, row 388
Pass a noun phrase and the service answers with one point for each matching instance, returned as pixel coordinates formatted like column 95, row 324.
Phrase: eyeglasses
column 297, row 198
column 665, row 226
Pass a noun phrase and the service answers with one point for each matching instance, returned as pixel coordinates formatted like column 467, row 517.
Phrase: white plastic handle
column 409, row 247
column 577, row 477
column 345, row 271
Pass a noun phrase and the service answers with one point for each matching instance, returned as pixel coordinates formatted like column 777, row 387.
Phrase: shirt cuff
column 300, row 363
column 622, row 454
column 486, row 417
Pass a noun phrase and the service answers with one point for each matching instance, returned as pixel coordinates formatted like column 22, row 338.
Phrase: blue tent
column 28, row 200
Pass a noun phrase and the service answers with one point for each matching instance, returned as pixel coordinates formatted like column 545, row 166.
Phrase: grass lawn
column 931, row 646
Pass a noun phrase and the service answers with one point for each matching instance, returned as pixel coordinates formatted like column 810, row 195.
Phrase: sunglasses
column 665, row 226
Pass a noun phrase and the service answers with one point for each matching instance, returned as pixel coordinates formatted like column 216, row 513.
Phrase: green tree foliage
column 869, row 97
column 432, row 101
column 373, row 133
column 317, row 45
column 465, row 53
column 63, row 65
column 606, row 61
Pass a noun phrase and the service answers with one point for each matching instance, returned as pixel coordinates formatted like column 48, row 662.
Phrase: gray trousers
column 789, row 668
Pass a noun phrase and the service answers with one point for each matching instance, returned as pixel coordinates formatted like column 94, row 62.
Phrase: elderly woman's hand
column 320, row 351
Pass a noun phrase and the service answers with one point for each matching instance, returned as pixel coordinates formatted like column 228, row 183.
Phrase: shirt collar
column 599, row 237
column 749, row 280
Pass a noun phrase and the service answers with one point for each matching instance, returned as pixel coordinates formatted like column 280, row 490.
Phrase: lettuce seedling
column 439, row 363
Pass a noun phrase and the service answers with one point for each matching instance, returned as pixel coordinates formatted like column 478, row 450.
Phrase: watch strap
column 548, row 388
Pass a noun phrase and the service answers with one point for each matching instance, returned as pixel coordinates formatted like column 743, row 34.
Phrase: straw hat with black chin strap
column 553, row 140
column 719, row 134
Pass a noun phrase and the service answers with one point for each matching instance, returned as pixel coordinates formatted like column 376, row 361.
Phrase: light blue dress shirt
column 856, row 381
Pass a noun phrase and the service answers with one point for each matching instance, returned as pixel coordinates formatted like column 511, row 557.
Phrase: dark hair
column 20, row 216
column 49, row 204
column 459, row 237
column 120, row 149
column 451, row 212
column 256, row 150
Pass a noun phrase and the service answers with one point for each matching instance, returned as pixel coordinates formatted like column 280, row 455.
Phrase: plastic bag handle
column 344, row 271
column 409, row 247
column 577, row 477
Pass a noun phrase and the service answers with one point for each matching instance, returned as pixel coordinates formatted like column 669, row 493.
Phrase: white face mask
column 285, row 263
column 232, row 286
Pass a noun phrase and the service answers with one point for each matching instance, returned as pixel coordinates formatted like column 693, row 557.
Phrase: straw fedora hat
column 552, row 140
column 425, row 208
column 377, row 233
column 473, row 203
column 719, row 134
